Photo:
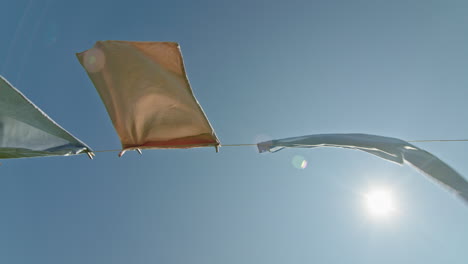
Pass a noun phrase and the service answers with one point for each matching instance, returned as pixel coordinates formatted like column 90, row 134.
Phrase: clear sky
column 260, row 70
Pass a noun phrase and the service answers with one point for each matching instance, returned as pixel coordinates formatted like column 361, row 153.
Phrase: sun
column 380, row 203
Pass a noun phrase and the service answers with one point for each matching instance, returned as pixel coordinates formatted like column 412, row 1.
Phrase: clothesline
column 298, row 145
column 438, row 140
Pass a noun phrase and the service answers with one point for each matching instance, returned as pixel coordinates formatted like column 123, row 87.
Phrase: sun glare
column 380, row 203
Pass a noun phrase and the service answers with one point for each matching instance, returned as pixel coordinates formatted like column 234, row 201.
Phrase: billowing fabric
column 147, row 94
column 26, row 131
column 391, row 149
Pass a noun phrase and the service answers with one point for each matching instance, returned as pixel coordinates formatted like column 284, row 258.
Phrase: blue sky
column 260, row 69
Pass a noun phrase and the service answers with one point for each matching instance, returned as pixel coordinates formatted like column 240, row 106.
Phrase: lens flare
column 94, row 60
column 299, row 162
column 50, row 34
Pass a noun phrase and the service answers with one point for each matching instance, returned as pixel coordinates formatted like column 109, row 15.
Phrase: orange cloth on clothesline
column 147, row 94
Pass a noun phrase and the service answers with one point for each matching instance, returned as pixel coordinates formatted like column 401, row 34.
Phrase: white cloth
column 391, row 149
column 26, row 131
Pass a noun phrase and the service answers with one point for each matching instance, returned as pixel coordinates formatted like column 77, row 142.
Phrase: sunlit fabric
column 26, row 131
column 147, row 94
column 391, row 149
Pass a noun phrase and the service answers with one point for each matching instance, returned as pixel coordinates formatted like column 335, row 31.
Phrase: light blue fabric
column 26, row 131
column 392, row 149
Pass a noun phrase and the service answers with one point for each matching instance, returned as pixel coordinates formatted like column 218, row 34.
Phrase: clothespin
column 90, row 155
column 121, row 153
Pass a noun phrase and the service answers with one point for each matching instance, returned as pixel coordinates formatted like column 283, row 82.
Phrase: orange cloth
column 147, row 94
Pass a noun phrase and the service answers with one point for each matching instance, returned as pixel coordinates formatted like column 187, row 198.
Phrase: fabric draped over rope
column 145, row 90
column 26, row 131
column 391, row 149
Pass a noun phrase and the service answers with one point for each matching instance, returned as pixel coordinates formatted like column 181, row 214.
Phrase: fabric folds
column 26, row 131
column 145, row 90
column 391, row 149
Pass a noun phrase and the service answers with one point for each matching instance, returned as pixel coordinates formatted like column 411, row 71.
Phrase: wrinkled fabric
column 26, row 131
column 145, row 90
column 391, row 149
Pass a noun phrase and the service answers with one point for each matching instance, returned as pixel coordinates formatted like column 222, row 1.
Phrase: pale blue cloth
column 391, row 149
column 26, row 131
